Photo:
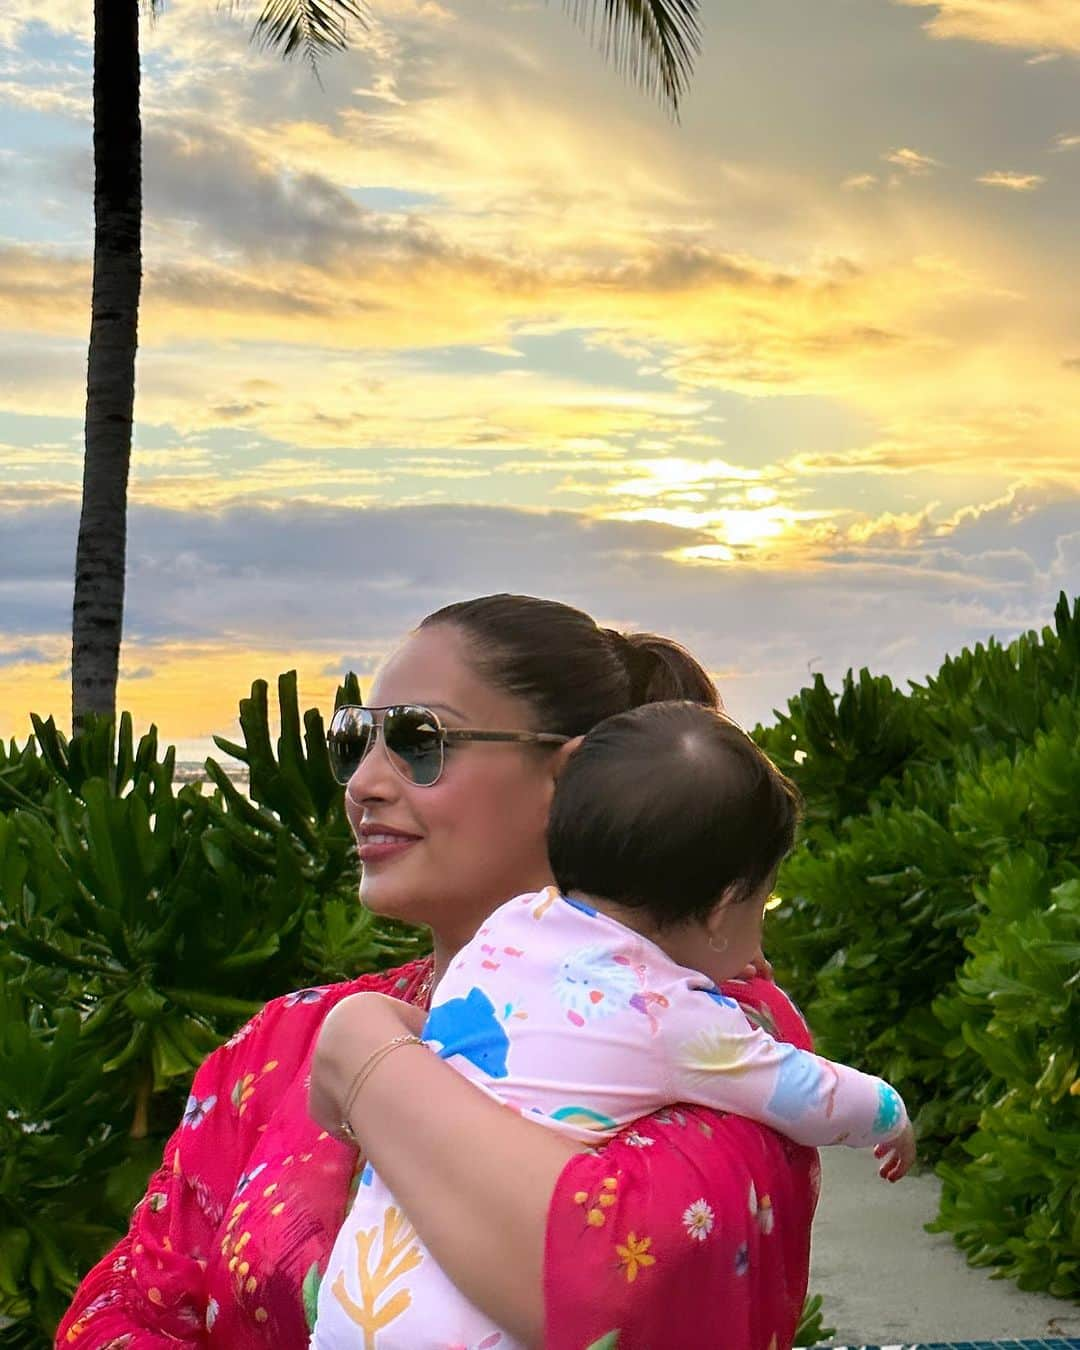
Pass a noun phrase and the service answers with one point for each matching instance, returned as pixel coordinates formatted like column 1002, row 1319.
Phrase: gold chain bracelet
column 372, row 1062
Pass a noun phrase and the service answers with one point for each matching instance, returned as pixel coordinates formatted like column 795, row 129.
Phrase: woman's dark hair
column 666, row 808
column 572, row 672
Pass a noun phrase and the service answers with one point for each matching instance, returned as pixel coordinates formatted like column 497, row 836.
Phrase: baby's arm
column 717, row 1059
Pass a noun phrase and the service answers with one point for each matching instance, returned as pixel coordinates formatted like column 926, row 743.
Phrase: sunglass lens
column 413, row 737
column 348, row 741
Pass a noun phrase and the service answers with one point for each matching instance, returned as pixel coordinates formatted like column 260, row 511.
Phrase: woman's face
column 480, row 830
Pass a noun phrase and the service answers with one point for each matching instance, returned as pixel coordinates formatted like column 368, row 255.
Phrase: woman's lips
column 381, row 848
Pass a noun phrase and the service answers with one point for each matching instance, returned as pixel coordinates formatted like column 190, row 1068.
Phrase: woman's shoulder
column 291, row 1019
column 320, row 998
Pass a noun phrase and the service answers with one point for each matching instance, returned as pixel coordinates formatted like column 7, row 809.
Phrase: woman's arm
column 480, row 1196
column 530, row 1229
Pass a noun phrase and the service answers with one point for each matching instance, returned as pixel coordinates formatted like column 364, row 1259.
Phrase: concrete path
column 885, row 1281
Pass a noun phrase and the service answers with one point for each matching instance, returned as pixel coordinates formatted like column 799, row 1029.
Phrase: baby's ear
column 563, row 753
column 728, row 897
column 713, row 925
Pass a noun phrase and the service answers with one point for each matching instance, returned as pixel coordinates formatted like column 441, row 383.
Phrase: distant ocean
column 194, row 771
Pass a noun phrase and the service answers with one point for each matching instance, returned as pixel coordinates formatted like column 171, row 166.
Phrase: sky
column 794, row 378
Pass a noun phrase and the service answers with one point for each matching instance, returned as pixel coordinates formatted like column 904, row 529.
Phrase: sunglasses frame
column 446, row 735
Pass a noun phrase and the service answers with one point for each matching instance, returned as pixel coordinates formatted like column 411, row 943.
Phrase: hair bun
column 638, row 660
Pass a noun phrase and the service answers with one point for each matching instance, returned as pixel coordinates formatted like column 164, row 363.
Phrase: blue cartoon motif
column 889, row 1110
column 718, row 997
column 801, row 1083
column 468, row 1027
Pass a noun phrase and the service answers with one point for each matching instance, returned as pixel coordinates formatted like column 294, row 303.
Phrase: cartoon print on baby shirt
column 889, row 1111
column 803, row 1083
column 592, row 983
column 542, row 901
column 644, row 1000
column 469, row 1027
column 714, row 1051
column 584, row 1117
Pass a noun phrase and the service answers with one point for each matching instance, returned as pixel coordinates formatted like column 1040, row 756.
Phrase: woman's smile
column 383, row 847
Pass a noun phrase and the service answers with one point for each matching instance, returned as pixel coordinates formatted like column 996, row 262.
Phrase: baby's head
column 672, row 814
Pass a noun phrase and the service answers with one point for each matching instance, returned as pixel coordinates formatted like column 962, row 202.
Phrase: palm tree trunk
column 110, row 386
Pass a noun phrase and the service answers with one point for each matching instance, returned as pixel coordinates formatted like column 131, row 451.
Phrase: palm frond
column 653, row 42
column 312, row 27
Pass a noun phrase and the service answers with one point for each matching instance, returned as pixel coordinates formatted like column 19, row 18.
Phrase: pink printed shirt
column 687, row 1217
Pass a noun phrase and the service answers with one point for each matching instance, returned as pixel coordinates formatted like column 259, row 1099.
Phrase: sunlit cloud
column 430, row 330
column 353, row 581
column 1013, row 182
column 1045, row 25
column 911, row 160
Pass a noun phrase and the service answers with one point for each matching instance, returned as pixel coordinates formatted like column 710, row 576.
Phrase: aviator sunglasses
column 413, row 737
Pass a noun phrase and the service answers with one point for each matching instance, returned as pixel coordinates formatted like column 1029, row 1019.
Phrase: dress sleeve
column 715, row 1058
column 149, row 1291
column 692, row 1228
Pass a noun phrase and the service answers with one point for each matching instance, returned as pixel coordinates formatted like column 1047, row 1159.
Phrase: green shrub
column 141, row 923
column 928, row 926
column 1013, row 1199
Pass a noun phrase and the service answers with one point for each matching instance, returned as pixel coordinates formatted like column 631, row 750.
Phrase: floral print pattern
column 699, row 1219
column 634, row 1255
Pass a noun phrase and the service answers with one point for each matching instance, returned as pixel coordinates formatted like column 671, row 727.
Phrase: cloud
column 24, row 655
column 326, row 581
column 911, row 160
column 43, row 289
column 63, row 16
column 1046, row 26
column 860, row 181
column 242, row 202
column 1014, row 182
column 1066, row 142
column 69, row 101
column 360, row 663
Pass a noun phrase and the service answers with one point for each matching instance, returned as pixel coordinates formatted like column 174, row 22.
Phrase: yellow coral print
column 400, row 1252
column 634, row 1255
column 715, row 1052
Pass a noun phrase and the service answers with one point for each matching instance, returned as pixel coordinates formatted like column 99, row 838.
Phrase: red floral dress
column 691, row 1230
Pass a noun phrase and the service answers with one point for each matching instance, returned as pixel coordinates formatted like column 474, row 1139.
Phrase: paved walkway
column 885, row 1281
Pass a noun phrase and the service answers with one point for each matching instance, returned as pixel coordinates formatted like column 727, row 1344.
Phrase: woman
column 690, row 1231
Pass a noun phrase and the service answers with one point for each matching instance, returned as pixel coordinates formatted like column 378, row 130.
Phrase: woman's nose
column 373, row 778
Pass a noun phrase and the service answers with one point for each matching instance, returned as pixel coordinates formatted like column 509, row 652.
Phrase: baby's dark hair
column 665, row 808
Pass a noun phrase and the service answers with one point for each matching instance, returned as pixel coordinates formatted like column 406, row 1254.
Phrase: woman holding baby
column 688, row 1229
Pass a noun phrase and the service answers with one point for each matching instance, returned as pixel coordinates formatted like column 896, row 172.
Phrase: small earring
column 719, row 950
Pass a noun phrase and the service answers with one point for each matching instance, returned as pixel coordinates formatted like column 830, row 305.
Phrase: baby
column 588, row 1005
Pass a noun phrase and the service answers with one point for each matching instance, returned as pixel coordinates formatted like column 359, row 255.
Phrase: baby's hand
column 899, row 1154
column 758, row 968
